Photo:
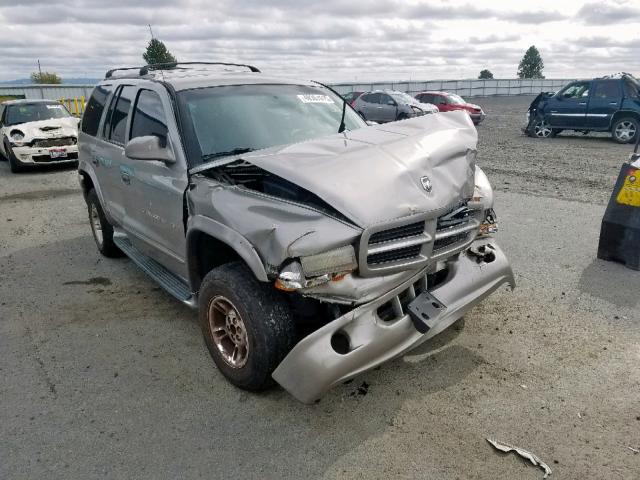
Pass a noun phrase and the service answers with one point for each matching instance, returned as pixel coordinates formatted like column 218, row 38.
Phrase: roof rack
column 171, row 65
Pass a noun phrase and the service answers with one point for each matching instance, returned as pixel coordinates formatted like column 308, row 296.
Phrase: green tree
column 485, row 74
column 157, row 53
column 45, row 77
column 531, row 65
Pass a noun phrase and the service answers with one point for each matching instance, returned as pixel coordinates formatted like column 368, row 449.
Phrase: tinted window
column 426, row 98
column 630, row 88
column 385, row 99
column 607, row 89
column 374, row 98
column 219, row 121
column 94, row 109
column 438, row 100
column 120, row 115
column 33, row 112
column 149, row 117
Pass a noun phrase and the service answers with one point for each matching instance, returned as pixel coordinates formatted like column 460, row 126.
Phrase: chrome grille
column 400, row 244
column 454, row 231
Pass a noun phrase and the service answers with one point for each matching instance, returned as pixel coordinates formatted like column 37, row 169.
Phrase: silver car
column 312, row 245
column 383, row 106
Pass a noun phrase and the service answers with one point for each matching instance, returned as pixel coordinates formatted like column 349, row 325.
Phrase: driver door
column 154, row 199
column 569, row 107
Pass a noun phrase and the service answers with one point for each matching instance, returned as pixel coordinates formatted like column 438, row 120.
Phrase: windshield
column 33, row 112
column 403, row 97
column 237, row 119
column 456, row 99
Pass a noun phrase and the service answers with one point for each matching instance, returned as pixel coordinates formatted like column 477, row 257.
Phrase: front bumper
column 313, row 366
column 44, row 155
column 477, row 117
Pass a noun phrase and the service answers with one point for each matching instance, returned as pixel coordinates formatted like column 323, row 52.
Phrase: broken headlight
column 489, row 225
column 314, row 270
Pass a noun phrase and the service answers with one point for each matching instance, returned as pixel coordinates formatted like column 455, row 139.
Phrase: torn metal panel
column 277, row 229
column 356, row 172
column 534, row 459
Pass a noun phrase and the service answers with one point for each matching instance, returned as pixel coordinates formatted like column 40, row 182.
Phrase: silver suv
column 383, row 106
column 313, row 245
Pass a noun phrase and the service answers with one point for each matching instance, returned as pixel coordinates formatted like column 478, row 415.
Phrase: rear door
column 605, row 101
column 369, row 105
column 155, row 192
column 387, row 109
column 108, row 152
column 568, row 108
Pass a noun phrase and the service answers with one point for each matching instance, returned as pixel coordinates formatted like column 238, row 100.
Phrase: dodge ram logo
column 426, row 184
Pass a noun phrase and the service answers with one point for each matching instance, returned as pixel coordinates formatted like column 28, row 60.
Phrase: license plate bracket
column 424, row 311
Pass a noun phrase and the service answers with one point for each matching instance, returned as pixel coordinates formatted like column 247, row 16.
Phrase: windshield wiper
column 235, row 151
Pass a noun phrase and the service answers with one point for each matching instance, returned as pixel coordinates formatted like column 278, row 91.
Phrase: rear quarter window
column 94, row 109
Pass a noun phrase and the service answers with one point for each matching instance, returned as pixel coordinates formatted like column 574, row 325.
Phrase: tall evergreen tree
column 157, row 52
column 531, row 65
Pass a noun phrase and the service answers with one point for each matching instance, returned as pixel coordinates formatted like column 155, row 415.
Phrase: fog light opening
column 340, row 342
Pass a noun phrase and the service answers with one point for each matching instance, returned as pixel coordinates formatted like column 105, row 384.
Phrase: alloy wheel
column 228, row 331
column 625, row 131
column 542, row 129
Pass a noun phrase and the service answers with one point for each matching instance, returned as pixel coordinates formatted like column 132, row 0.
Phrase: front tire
column 247, row 325
column 101, row 229
column 625, row 130
column 15, row 165
column 541, row 129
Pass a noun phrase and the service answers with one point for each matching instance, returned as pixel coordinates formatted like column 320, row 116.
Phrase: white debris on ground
column 534, row 459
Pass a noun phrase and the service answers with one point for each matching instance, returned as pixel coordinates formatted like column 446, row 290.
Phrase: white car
column 36, row 132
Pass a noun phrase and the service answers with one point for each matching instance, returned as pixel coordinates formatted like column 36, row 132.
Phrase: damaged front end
column 386, row 230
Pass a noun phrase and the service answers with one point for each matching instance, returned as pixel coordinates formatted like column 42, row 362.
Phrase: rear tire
column 247, row 325
column 101, row 229
column 625, row 130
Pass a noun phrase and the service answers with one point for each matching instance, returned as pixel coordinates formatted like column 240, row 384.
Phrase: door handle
column 126, row 179
column 613, row 103
column 582, row 103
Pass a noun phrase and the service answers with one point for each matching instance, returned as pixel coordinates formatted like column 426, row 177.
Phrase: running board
column 167, row 280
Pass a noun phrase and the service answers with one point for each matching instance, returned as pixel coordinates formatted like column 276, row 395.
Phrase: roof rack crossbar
column 170, row 65
column 163, row 66
column 110, row 73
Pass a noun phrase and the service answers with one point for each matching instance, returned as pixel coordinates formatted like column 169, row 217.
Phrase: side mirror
column 371, row 122
column 148, row 148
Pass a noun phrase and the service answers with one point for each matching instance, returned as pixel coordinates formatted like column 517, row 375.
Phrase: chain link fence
column 464, row 88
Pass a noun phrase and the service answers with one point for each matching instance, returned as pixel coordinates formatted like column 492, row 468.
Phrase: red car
column 448, row 102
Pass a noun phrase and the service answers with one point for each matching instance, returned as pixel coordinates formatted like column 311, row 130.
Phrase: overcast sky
column 331, row 40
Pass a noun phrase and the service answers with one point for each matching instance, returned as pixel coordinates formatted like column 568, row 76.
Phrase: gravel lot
column 103, row 375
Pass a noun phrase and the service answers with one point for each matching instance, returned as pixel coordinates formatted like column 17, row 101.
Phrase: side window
column 607, row 89
column 439, row 100
column 94, row 109
column 630, row 89
column 366, row 97
column 576, row 90
column 120, row 115
column 385, row 99
column 374, row 98
column 1, row 115
column 149, row 117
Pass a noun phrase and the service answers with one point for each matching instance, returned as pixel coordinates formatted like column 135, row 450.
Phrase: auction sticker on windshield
column 315, row 99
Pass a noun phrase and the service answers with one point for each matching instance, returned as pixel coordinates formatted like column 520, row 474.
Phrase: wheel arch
column 211, row 244
column 623, row 114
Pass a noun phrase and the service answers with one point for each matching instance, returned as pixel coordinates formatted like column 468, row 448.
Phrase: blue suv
column 608, row 104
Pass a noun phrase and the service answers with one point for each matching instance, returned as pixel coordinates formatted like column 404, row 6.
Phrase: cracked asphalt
column 103, row 375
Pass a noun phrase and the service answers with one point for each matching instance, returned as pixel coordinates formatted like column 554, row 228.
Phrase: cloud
column 608, row 13
column 332, row 40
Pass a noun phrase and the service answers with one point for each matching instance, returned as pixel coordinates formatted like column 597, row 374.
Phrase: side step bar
column 167, row 280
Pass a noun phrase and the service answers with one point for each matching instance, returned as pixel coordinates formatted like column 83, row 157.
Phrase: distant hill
column 65, row 81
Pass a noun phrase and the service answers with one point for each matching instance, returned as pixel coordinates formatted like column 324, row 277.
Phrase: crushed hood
column 374, row 174
column 52, row 128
